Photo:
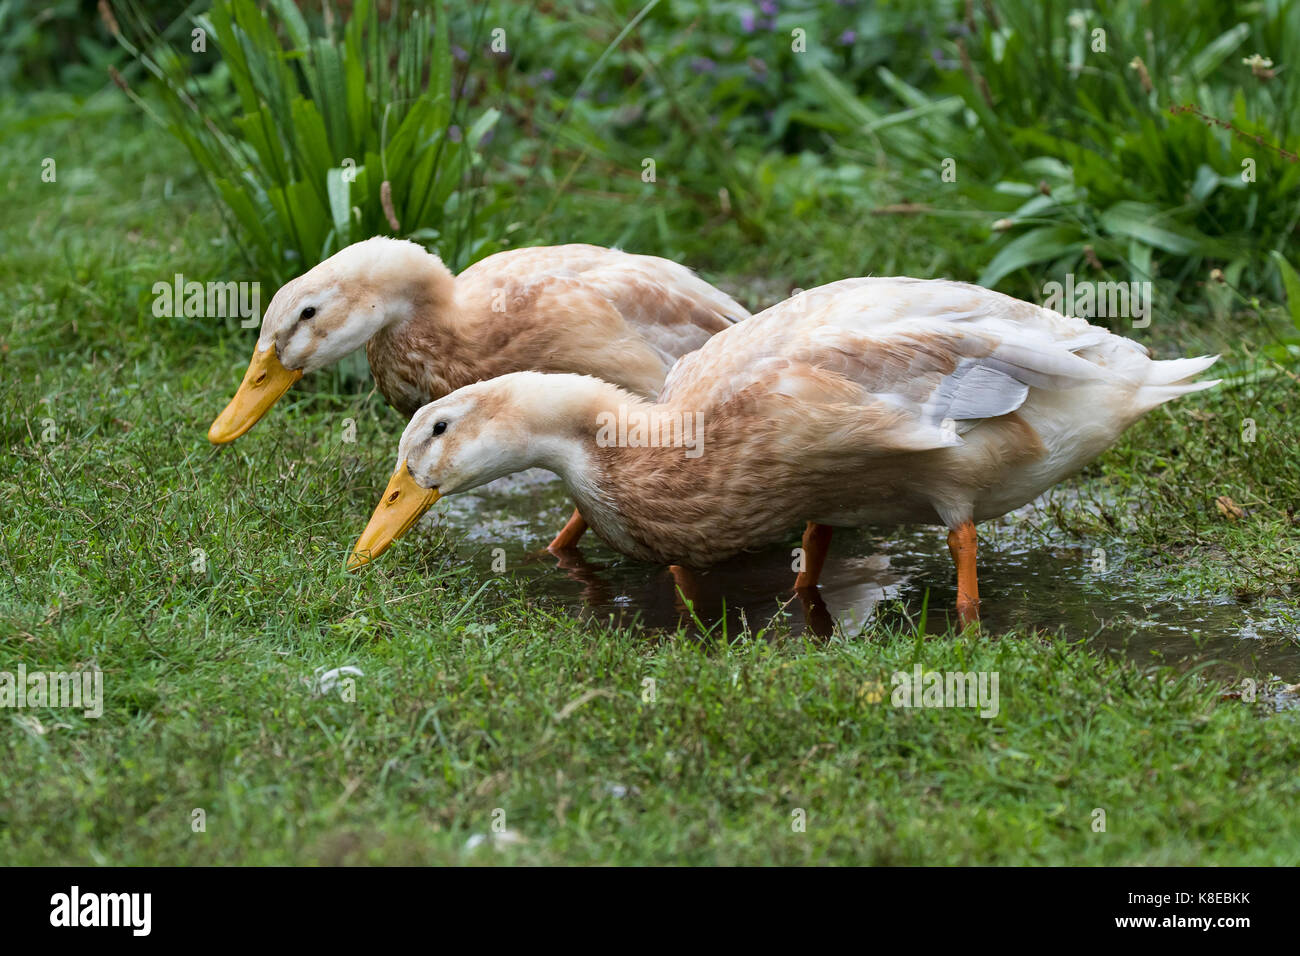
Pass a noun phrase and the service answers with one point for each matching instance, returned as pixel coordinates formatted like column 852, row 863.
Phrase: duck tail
column 1170, row 379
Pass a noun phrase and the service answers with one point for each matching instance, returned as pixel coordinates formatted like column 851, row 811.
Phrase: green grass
column 477, row 698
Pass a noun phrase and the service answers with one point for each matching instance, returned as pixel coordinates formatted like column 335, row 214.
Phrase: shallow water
column 1026, row 580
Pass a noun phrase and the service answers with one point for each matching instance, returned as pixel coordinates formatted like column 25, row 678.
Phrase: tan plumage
column 864, row 402
column 571, row 308
column 574, row 308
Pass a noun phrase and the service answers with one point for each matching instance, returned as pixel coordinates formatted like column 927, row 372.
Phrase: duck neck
column 561, row 420
column 417, row 330
column 616, row 453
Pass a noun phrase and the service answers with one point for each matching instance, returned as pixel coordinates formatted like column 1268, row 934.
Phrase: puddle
column 1024, row 581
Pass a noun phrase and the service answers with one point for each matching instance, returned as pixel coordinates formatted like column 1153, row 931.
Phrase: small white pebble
column 504, row 838
column 327, row 681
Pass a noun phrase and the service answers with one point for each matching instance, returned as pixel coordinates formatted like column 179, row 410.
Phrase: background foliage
column 774, row 169
column 1072, row 150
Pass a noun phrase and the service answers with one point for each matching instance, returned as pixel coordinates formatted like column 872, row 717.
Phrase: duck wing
column 905, row 365
column 661, row 303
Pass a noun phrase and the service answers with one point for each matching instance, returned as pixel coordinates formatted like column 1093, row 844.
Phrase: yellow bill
column 264, row 382
column 401, row 507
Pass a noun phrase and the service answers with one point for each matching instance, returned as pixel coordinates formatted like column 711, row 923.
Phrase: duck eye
column 439, row 428
column 308, row 312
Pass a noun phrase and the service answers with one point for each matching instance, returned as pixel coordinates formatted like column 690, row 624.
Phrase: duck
column 882, row 402
column 572, row 308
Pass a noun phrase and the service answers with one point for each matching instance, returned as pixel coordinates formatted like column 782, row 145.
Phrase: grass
column 482, row 699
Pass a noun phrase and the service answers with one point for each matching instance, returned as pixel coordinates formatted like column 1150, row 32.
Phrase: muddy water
column 1025, row 580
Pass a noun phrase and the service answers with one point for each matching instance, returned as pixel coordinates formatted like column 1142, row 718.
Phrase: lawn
column 208, row 584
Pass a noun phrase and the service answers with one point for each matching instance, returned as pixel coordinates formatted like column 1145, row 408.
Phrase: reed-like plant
column 313, row 136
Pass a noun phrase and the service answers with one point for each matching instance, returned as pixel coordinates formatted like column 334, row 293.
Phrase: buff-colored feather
column 571, row 308
column 865, row 402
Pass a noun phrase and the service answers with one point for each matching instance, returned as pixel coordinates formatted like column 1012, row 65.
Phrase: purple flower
column 847, row 37
column 453, row 133
column 547, row 75
column 747, row 22
column 940, row 61
column 702, row 64
column 768, row 7
column 459, row 53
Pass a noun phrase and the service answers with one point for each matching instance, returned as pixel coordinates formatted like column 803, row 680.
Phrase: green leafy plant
column 316, row 138
column 1147, row 115
column 1112, row 138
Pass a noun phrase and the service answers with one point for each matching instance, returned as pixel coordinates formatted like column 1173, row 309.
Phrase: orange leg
column 569, row 534
column 816, row 545
column 961, row 542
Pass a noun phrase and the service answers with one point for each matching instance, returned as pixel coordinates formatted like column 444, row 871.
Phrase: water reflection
column 1023, row 584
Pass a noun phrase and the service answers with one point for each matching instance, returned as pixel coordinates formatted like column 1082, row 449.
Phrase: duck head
column 328, row 313
column 480, row 433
